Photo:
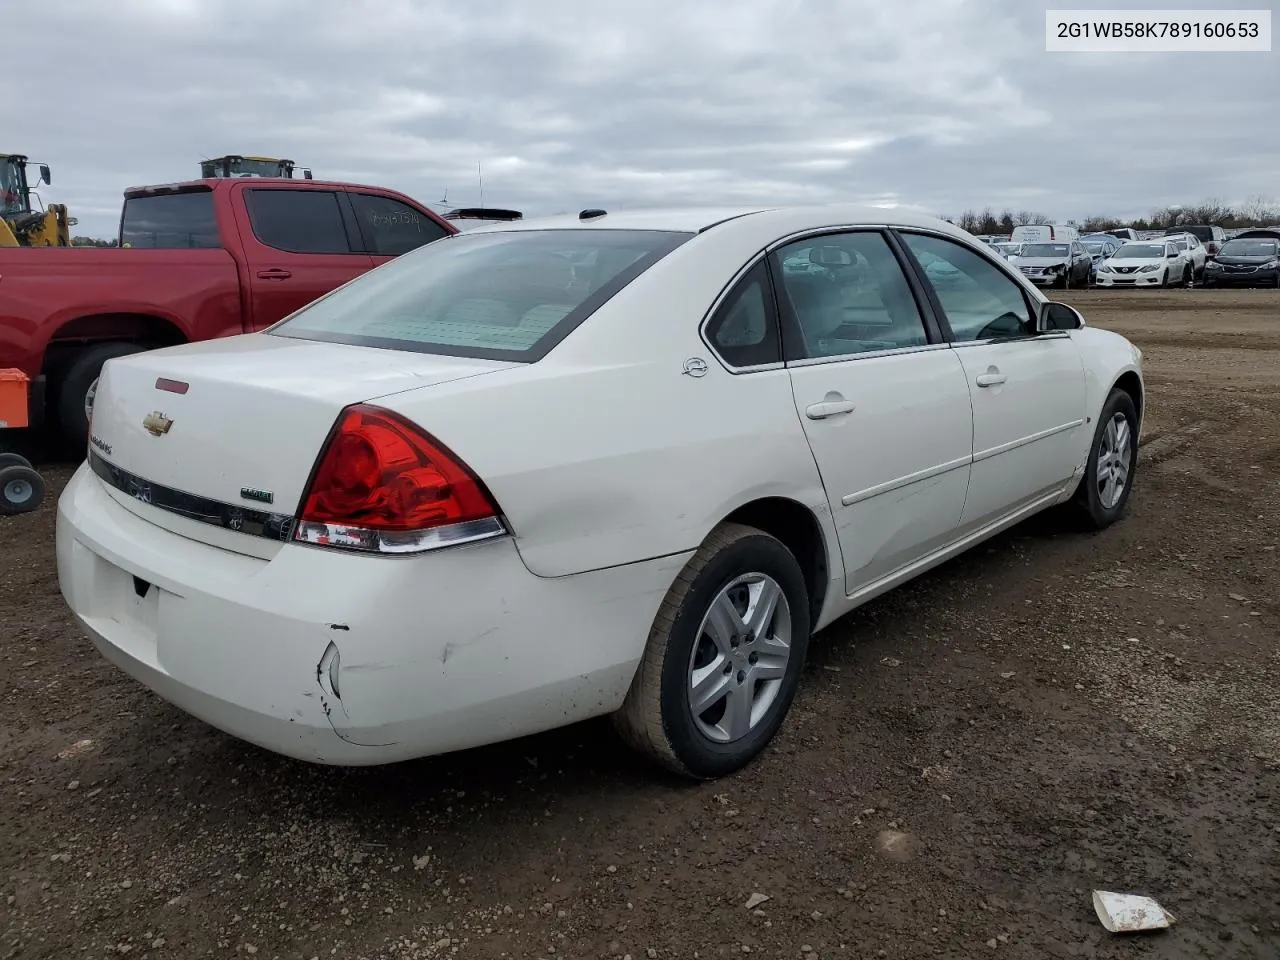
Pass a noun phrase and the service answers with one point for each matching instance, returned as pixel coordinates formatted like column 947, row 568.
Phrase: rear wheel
column 8, row 459
column 1113, row 458
column 723, row 659
column 78, row 386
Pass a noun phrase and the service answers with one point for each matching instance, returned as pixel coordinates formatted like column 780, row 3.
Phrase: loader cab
column 234, row 166
column 15, row 192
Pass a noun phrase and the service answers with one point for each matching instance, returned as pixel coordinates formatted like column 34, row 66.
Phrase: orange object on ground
column 13, row 398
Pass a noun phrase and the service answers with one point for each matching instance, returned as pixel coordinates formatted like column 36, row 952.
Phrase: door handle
column 274, row 273
column 990, row 379
column 832, row 406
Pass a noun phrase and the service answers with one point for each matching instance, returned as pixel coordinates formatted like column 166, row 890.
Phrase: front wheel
column 1113, row 459
column 723, row 659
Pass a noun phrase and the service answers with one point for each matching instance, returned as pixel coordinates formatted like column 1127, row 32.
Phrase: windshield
column 1045, row 250
column 1140, row 251
column 10, row 188
column 511, row 295
column 1097, row 246
column 1250, row 248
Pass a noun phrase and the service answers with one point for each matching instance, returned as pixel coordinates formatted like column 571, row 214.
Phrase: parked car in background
column 203, row 259
column 1100, row 246
column 1065, row 264
column 1145, row 264
column 1245, row 262
column 1044, row 233
column 1123, row 233
column 404, row 521
column 1212, row 237
column 471, row 218
column 1190, row 244
column 1007, row 249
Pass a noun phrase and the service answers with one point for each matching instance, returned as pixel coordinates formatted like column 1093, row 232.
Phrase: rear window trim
column 570, row 322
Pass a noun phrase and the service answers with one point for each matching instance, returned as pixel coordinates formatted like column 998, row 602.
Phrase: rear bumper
column 352, row 660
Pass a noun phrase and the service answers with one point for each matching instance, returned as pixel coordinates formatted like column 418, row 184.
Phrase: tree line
column 1254, row 212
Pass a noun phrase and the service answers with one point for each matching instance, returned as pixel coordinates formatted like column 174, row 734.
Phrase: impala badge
column 156, row 423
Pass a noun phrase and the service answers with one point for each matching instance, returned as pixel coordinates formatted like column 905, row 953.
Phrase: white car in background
column 1190, row 245
column 1145, row 263
column 549, row 470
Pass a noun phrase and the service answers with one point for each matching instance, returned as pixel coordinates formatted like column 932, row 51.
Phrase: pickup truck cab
column 196, row 260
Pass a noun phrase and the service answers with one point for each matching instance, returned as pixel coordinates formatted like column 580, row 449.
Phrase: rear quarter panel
column 605, row 452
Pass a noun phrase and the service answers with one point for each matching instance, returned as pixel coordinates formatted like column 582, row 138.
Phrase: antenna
column 445, row 198
column 480, row 176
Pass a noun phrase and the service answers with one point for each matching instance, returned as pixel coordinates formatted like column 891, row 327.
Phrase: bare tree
column 1207, row 211
column 1098, row 223
column 1258, row 211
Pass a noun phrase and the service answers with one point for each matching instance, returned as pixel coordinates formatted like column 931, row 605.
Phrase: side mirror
column 1058, row 316
column 45, row 175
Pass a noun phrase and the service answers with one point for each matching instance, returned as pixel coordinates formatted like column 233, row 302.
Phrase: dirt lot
column 1053, row 713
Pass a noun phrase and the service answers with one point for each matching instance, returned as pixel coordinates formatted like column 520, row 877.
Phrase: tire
column 1208, row 284
column 21, row 490
column 1188, row 277
column 1094, row 497
column 13, row 460
column 657, row 717
column 74, row 385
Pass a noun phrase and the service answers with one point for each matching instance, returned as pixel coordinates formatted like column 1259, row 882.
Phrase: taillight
column 382, row 485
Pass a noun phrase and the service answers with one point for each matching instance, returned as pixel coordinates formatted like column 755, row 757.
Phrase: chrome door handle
column 990, row 379
column 828, row 408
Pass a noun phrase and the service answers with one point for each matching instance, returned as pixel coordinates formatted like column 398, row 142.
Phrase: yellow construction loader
column 238, row 166
column 22, row 225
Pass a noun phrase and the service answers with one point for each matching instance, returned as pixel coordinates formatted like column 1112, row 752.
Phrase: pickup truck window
column 391, row 227
column 298, row 221
column 170, row 221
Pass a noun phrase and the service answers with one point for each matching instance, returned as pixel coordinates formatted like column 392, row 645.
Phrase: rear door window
column 170, row 221
column 504, row 296
column 298, row 221
column 390, row 227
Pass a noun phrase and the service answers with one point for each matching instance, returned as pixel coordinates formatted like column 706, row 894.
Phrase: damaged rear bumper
column 352, row 660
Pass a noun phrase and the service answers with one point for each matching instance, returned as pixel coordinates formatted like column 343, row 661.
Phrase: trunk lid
column 241, row 438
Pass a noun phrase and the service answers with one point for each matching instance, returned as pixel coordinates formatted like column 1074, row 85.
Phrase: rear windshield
column 170, row 221
column 511, row 295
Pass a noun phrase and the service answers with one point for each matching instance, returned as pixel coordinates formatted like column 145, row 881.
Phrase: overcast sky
column 944, row 104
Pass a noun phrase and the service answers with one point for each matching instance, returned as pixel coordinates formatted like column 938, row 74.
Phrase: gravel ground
column 968, row 757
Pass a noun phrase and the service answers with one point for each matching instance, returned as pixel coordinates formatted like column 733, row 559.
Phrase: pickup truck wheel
column 78, row 384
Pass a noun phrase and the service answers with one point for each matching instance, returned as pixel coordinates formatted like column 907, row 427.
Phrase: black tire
column 656, row 718
column 21, row 490
column 73, row 387
column 1088, row 497
column 1208, row 283
column 1188, row 277
column 8, row 459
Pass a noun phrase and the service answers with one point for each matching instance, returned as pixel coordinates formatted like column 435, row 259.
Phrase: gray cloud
column 943, row 104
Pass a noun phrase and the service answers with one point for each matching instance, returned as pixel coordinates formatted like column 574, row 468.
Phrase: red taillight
column 383, row 485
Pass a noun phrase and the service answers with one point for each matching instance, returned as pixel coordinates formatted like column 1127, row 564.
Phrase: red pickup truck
column 197, row 260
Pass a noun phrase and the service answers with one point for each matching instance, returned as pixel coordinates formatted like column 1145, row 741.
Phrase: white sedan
column 1146, row 263
column 613, row 464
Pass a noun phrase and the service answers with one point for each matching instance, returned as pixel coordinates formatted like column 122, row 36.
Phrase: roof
column 696, row 219
column 225, row 183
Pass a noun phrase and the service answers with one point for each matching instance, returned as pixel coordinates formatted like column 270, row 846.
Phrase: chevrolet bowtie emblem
column 156, row 423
